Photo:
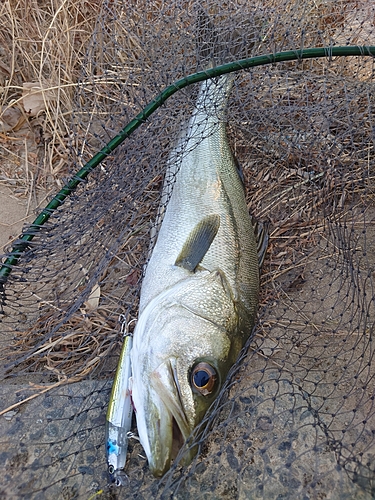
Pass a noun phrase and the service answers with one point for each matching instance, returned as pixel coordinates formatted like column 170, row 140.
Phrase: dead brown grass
column 42, row 47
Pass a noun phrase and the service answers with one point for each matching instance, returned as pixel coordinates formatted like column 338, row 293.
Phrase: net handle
column 22, row 243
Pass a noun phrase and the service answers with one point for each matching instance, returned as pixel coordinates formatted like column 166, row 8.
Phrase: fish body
column 199, row 294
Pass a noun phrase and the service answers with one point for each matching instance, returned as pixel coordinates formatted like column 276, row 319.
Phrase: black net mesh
column 296, row 418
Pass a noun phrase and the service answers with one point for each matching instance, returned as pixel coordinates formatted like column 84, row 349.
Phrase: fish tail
column 213, row 49
column 213, row 96
column 216, row 46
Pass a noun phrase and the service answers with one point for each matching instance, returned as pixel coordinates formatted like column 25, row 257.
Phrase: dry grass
column 43, row 43
column 88, row 334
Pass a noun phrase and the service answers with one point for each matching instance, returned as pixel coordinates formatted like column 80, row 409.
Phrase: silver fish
column 199, row 294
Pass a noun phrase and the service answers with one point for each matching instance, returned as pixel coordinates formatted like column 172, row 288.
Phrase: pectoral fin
column 198, row 243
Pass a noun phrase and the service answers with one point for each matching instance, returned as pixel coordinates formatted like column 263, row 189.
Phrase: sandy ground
column 13, row 215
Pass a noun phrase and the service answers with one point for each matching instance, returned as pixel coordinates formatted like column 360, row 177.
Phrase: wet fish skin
column 200, row 290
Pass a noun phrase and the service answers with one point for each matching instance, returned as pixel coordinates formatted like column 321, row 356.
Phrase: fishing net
column 296, row 418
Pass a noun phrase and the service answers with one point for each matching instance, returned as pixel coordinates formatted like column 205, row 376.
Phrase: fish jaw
column 166, row 348
column 163, row 425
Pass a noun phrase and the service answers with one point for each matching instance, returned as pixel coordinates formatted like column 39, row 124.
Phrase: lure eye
column 203, row 378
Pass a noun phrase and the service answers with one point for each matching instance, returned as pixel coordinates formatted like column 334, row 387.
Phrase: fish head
column 180, row 360
column 172, row 394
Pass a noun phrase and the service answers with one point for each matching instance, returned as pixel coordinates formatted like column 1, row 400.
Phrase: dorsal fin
column 198, row 242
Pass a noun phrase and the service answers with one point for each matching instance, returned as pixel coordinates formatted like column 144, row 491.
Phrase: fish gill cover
column 297, row 416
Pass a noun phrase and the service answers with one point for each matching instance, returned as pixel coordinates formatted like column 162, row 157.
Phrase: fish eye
column 203, row 378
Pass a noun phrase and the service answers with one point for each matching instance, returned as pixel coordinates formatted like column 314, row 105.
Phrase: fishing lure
column 120, row 412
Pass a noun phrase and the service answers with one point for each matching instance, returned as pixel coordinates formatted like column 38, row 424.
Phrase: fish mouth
column 166, row 424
